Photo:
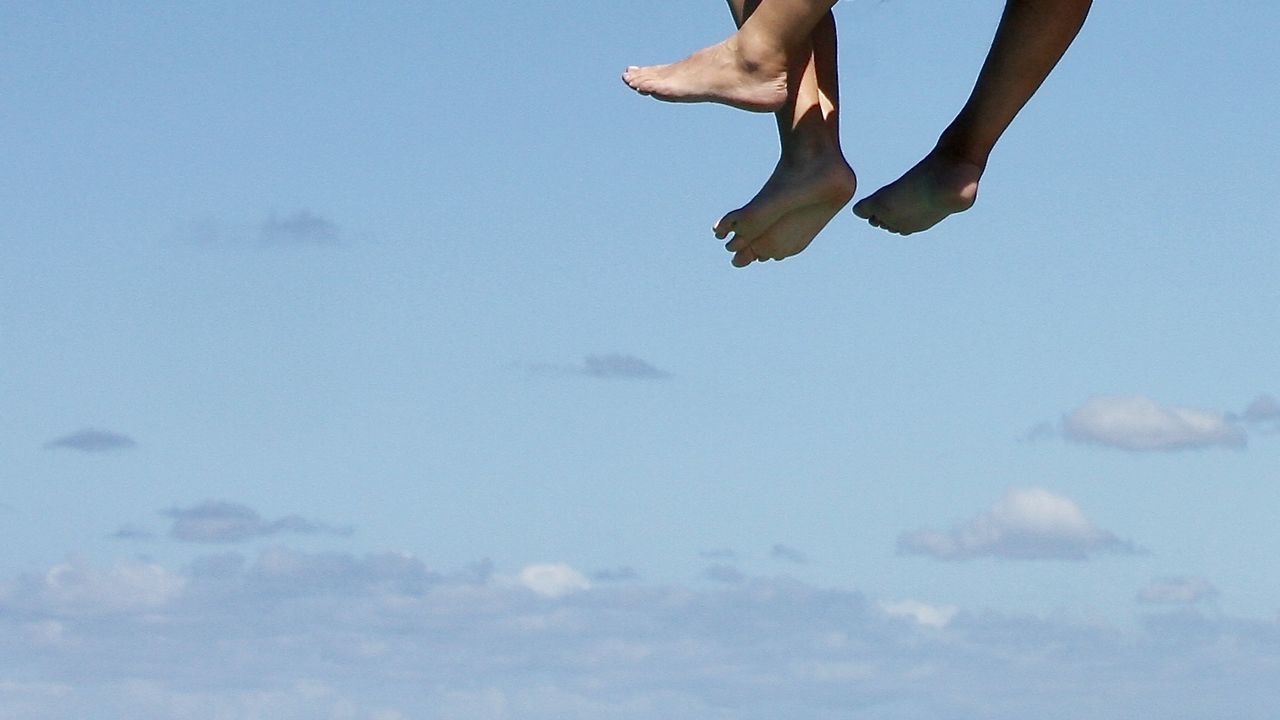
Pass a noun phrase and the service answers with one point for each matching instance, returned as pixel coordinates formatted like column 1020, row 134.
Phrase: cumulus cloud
column 1026, row 524
column 1177, row 591
column 553, row 580
column 92, row 441
column 373, row 638
column 217, row 521
column 937, row 616
column 788, row 553
column 1138, row 424
column 301, row 227
column 78, row 588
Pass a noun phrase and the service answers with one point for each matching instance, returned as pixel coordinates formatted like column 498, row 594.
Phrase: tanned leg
column 1032, row 37
column 749, row 70
column 812, row 181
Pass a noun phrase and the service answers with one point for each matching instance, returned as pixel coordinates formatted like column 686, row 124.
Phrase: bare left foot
column 723, row 73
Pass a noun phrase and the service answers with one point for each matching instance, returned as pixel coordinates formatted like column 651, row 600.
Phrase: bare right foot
column 790, row 235
column 938, row 186
column 823, row 182
column 722, row 73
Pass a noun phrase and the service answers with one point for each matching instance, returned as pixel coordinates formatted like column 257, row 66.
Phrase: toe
column 862, row 209
column 725, row 226
column 739, row 242
column 743, row 258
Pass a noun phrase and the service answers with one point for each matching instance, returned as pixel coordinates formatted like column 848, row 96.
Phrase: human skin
column 749, row 70
column 1032, row 37
column 811, row 182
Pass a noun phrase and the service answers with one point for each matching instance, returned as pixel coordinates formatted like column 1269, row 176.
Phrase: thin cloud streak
column 90, row 440
column 610, row 366
column 301, row 227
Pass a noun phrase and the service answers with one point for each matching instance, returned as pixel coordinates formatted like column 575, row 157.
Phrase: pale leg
column 750, row 69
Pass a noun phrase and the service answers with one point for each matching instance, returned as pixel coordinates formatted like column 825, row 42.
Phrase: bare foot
column 790, row 235
column 796, row 202
column 721, row 73
column 936, row 187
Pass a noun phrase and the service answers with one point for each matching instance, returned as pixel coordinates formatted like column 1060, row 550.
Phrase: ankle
column 755, row 52
column 809, row 147
column 956, row 146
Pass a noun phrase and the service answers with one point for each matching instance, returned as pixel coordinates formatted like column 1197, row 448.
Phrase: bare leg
column 812, row 181
column 749, row 70
column 1032, row 37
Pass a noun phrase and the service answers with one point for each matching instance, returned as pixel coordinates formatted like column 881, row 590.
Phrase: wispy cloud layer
column 1026, row 524
column 92, row 441
column 1177, row 591
column 292, row 635
column 1138, row 423
column 218, row 521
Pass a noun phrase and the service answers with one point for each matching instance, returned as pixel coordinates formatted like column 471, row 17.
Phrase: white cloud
column 1026, row 524
column 1138, row 423
column 76, row 587
column 553, row 580
column 937, row 616
column 1177, row 591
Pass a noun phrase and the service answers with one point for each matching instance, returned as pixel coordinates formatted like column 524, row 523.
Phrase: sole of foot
column 789, row 236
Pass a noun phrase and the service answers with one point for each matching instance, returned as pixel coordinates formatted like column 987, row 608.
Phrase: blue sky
column 380, row 362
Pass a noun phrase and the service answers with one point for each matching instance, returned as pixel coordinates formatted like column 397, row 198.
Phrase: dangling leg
column 812, row 181
column 749, row 70
column 1032, row 37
